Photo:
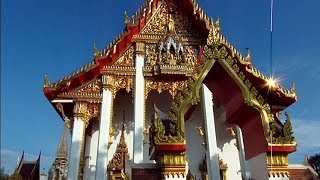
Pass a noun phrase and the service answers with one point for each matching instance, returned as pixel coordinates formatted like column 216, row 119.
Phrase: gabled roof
column 114, row 50
column 28, row 169
column 127, row 38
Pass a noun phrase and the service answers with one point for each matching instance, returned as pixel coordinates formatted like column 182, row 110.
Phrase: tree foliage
column 315, row 159
column 3, row 175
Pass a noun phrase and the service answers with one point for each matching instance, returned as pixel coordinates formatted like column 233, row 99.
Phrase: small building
column 27, row 170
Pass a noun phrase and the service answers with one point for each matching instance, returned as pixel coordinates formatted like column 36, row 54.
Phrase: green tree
column 3, row 175
column 315, row 160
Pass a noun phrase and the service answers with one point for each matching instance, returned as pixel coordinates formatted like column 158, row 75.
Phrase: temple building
column 171, row 98
column 26, row 169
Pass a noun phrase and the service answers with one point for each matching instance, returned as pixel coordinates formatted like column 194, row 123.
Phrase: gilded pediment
column 90, row 91
column 170, row 16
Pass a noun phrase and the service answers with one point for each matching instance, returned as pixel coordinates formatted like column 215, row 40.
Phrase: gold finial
column 47, row 82
column 217, row 24
column 96, row 51
column 126, row 18
column 248, row 57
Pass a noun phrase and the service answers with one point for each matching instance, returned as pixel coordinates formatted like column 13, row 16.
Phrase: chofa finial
column 96, row 51
column 126, row 18
column 248, row 57
column 46, row 81
column 217, row 24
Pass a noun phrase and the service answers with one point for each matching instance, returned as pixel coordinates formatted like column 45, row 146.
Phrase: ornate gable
column 90, row 91
column 170, row 17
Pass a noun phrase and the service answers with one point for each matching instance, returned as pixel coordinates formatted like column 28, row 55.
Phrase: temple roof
column 28, row 169
column 132, row 31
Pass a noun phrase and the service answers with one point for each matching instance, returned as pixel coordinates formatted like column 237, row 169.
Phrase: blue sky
column 57, row 36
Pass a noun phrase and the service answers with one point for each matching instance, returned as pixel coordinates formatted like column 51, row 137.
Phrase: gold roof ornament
column 96, row 51
column 217, row 24
column 46, row 81
column 126, row 18
column 248, row 57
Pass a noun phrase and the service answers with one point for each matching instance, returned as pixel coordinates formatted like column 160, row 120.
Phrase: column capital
column 107, row 82
column 86, row 111
column 140, row 48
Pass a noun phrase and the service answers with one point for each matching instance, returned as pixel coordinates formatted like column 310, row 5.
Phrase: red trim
column 282, row 148
column 170, row 147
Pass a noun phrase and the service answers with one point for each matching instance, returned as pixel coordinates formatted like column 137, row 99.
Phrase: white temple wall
column 228, row 151
column 195, row 150
column 91, row 150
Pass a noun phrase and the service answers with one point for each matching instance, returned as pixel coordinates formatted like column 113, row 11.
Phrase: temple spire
column 62, row 150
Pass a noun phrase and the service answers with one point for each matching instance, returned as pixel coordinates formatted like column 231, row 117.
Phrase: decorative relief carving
column 86, row 111
column 94, row 88
column 170, row 18
column 172, row 86
column 163, row 130
column 126, row 59
column 123, row 82
column 281, row 134
column 277, row 159
column 115, row 83
column 91, row 92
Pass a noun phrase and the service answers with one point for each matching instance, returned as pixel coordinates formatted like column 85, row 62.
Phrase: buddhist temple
column 171, row 98
column 26, row 169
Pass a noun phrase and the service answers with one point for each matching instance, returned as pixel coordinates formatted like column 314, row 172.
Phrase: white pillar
column 75, row 151
column 105, row 119
column 138, row 110
column 241, row 153
column 212, row 150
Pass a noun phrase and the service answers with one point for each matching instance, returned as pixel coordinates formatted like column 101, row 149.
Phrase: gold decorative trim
column 126, row 59
column 172, row 86
column 90, row 92
column 86, row 111
column 172, row 164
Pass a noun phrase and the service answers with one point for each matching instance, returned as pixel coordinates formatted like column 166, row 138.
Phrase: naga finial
column 96, row 51
column 126, row 18
column 46, row 82
column 248, row 57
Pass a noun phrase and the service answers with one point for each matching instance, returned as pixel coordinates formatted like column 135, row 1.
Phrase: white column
column 105, row 119
column 241, row 153
column 212, row 150
column 75, row 151
column 138, row 110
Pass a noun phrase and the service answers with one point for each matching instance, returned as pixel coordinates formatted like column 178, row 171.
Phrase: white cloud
column 9, row 160
column 307, row 136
